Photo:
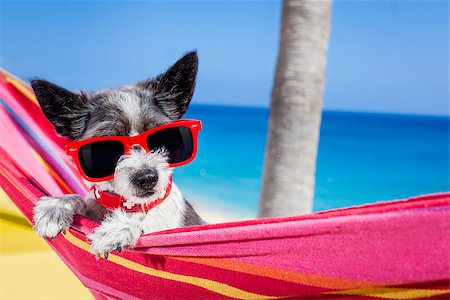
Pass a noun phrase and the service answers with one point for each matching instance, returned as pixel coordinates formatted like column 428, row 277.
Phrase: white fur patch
column 136, row 160
column 117, row 231
column 92, row 130
column 130, row 104
column 120, row 229
column 53, row 215
column 167, row 215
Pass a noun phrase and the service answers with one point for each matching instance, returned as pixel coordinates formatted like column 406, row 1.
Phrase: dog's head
column 128, row 110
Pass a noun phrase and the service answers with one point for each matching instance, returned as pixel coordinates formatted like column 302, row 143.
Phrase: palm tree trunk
column 296, row 109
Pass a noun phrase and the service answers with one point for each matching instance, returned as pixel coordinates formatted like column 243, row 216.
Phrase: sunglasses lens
column 177, row 140
column 99, row 159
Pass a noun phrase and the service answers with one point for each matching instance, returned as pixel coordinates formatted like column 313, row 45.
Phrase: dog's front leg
column 117, row 231
column 53, row 215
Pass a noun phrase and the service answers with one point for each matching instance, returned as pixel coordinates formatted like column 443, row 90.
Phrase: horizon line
column 339, row 110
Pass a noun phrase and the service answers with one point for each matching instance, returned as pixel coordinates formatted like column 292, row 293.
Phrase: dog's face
column 130, row 110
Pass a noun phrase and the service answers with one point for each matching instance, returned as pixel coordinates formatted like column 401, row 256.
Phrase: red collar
column 113, row 201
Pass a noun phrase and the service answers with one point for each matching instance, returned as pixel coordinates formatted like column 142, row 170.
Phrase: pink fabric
column 56, row 159
column 23, row 152
column 397, row 244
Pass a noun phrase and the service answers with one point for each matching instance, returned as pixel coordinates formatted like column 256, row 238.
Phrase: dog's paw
column 113, row 234
column 53, row 215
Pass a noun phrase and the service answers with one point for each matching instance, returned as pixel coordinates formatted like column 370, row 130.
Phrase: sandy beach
column 211, row 215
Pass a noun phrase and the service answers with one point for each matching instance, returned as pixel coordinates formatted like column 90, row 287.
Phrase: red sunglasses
column 96, row 158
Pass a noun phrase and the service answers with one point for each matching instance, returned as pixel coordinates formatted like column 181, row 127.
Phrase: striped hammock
column 387, row 250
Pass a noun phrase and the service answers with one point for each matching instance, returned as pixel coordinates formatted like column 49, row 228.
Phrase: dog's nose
column 146, row 179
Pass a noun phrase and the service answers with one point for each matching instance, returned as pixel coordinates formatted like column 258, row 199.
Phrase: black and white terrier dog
column 140, row 176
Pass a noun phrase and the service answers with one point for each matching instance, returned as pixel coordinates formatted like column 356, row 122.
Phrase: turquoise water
column 362, row 158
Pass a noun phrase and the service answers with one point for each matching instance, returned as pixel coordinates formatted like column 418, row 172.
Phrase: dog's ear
column 64, row 109
column 173, row 89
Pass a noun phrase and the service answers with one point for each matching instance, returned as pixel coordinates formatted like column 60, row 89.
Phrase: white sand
column 211, row 215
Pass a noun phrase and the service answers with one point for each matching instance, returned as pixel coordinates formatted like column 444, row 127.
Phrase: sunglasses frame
column 73, row 148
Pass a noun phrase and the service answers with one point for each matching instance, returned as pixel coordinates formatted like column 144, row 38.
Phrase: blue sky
column 384, row 56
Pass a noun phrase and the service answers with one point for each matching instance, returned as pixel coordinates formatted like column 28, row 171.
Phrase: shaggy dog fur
column 127, row 110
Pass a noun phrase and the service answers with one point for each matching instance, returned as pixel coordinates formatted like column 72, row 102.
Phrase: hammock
column 387, row 250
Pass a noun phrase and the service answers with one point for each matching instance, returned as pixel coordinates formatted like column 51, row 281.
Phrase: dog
column 140, row 176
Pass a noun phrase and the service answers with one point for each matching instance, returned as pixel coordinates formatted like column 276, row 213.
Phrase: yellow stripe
column 208, row 284
column 25, row 91
column 392, row 293
column 16, row 186
column 211, row 285
column 319, row 281
column 23, row 256
column 52, row 172
column 279, row 274
column 22, row 88
column 229, row 291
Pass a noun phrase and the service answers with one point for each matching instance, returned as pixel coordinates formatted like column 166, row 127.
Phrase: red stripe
column 424, row 201
column 35, row 113
column 126, row 280
column 248, row 282
column 13, row 179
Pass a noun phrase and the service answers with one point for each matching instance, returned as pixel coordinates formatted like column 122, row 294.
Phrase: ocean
column 363, row 158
